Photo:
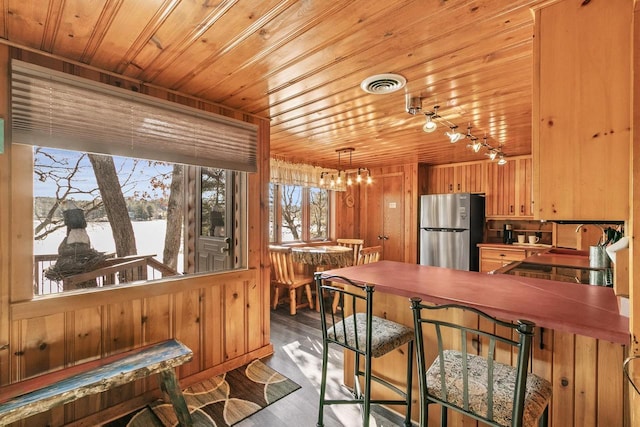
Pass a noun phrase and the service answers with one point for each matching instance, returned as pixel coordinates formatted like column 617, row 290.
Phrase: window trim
column 306, row 215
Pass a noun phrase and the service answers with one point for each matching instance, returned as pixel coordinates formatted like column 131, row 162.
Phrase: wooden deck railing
column 112, row 271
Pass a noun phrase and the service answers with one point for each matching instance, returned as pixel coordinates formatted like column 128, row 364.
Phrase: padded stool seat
column 388, row 335
column 537, row 395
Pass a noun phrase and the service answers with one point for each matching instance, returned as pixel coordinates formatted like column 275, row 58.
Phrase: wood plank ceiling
column 300, row 63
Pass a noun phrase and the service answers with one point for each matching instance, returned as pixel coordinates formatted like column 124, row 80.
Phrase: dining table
column 323, row 256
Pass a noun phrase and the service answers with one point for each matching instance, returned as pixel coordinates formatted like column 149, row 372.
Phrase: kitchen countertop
column 536, row 246
column 591, row 311
column 548, row 255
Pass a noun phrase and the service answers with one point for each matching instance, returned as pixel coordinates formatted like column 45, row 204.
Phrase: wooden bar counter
column 580, row 338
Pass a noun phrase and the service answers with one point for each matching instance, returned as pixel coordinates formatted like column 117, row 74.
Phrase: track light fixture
column 413, row 106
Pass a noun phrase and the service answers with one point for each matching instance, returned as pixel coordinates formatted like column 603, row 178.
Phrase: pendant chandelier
column 349, row 174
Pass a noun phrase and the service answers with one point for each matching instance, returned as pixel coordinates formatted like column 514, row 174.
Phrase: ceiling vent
column 383, row 83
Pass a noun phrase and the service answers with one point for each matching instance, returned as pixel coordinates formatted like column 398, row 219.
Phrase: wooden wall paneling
column 411, row 220
column 84, row 335
column 156, row 320
column 83, row 342
column 258, row 220
column 346, row 213
column 41, row 346
column 123, row 332
column 38, row 347
column 563, row 376
column 253, row 310
column 612, row 405
column 586, row 387
column 187, row 315
column 542, row 361
column 5, row 222
column 157, row 324
column 213, row 327
column 235, row 332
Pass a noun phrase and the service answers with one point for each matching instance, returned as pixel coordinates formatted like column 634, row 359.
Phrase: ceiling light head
column 454, row 135
column 492, row 154
column 383, row 83
column 349, row 180
column 502, row 160
column 429, row 125
column 475, row 144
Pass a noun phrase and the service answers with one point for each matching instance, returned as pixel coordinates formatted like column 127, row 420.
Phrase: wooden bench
column 39, row 394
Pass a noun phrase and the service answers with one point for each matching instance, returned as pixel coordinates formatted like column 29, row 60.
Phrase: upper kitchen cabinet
column 508, row 188
column 459, row 178
column 582, row 110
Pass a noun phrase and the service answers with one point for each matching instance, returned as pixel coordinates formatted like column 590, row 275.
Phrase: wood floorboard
column 298, row 355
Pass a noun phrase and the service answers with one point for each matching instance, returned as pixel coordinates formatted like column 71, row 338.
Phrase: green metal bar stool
column 469, row 380
column 354, row 327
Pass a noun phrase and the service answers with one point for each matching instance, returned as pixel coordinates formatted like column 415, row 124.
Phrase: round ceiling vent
column 383, row 83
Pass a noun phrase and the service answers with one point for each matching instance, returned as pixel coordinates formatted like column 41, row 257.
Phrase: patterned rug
column 220, row 401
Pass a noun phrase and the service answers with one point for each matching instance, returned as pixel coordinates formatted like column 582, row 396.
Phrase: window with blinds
column 59, row 110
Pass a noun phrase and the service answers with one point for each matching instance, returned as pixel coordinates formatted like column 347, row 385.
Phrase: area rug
column 221, row 401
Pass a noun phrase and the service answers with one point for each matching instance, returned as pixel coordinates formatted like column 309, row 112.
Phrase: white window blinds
column 59, row 110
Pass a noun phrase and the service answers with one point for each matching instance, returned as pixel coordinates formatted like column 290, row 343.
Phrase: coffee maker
column 507, row 234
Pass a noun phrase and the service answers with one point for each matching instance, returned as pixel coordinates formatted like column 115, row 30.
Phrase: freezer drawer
column 448, row 249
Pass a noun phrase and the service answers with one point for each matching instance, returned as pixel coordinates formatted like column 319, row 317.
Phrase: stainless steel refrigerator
column 451, row 226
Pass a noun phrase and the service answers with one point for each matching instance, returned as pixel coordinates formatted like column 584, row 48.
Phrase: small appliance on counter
column 507, row 234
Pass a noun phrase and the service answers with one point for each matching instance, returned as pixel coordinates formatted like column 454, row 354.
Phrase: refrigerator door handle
column 450, row 230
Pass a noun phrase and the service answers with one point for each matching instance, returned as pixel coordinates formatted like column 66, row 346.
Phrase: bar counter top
column 586, row 310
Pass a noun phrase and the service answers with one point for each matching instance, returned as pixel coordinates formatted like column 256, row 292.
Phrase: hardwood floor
column 297, row 343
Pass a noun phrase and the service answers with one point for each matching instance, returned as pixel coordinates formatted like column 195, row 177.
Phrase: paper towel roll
column 620, row 244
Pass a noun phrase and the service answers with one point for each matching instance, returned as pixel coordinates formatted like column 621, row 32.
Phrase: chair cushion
column 387, row 335
column 537, row 395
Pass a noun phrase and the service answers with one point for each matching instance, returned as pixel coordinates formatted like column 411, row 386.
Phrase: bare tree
column 63, row 173
column 174, row 218
column 114, row 203
column 291, row 209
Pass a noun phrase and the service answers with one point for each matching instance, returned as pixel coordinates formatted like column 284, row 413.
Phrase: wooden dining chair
column 471, row 381
column 354, row 244
column 283, row 276
column 369, row 255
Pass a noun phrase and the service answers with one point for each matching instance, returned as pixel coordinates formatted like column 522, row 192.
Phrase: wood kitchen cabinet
column 492, row 258
column 508, row 190
column 582, row 110
column 459, row 178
